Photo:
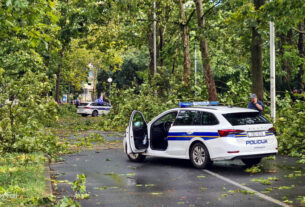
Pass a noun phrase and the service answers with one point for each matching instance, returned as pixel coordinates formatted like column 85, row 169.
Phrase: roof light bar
column 198, row 103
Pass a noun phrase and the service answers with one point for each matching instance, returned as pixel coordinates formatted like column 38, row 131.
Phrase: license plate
column 256, row 134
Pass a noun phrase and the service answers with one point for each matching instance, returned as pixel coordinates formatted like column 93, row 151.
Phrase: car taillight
column 226, row 132
column 87, row 107
column 272, row 130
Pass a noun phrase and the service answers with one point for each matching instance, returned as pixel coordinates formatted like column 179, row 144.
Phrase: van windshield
column 246, row 118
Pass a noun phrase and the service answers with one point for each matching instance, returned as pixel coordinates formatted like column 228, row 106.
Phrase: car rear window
column 83, row 104
column 246, row 118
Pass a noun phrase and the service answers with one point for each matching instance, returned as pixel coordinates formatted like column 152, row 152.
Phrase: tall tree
column 285, row 39
column 73, row 23
column 204, row 48
column 301, row 54
column 256, row 56
column 186, row 42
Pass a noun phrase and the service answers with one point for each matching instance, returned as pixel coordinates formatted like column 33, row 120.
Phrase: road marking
column 268, row 198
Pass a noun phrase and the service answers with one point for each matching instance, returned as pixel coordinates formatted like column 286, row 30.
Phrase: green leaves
column 17, row 3
column 291, row 129
column 79, row 183
column 26, row 110
column 264, row 181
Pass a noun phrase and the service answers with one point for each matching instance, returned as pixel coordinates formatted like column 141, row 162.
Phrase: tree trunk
column 186, row 44
column 58, row 77
column 256, row 58
column 174, row 61
column 208, row 75
column 285, row 39
column 302, row 55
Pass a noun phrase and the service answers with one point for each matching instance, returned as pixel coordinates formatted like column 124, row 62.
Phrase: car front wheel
column 199, row 156
column 136, row 157
column 251, row 161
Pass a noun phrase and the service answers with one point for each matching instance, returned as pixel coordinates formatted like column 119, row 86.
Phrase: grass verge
column 22, row 180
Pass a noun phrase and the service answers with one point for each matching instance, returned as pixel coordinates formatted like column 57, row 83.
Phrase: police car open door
column 137, row 140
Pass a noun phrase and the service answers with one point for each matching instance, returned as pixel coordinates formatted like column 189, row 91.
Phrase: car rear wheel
column 199, row 156
column 136, row 157
column 94, row 113
column 251, row 161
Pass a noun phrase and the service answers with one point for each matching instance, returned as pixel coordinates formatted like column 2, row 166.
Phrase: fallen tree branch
column 299, row 31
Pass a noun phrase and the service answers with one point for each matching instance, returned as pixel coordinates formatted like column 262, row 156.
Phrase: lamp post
column 195, row 58
column 91, row 67
column 155, row 40
column 109, row 81
column 193, row 34
column 272, row 72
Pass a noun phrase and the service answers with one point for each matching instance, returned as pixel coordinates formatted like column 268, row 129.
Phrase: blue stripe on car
column 106, row 109
column 183, row 136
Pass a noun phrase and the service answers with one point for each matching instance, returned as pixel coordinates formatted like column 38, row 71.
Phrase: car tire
column 84, row 115
column 136, row 157
column 94, row 113
column 251, row 161
column 199, row 156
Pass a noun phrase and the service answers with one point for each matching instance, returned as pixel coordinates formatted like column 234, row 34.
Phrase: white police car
column 202, row 134
column 93, row 108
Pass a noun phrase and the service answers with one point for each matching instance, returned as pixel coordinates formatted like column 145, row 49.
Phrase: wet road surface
column 113, row 180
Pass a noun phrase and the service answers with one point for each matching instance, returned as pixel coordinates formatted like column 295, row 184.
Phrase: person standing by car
column 256, row 104
column 77, row 103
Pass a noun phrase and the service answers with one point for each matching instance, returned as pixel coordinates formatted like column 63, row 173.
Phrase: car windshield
column 83, row 104
column 246, row 118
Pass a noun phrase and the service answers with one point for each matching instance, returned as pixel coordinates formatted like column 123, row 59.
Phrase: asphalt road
column 112, row 180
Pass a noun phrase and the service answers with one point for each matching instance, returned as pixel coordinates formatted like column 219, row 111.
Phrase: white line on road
column 268, row 198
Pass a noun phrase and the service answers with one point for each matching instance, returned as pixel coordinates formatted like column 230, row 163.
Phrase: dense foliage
column 291, row 130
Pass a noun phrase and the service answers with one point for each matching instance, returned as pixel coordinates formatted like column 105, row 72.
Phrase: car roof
column 220, row 109
column 95, row 102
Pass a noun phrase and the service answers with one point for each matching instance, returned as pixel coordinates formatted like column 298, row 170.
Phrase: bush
column 26, row 110
column 291, row 129
column 67, row 109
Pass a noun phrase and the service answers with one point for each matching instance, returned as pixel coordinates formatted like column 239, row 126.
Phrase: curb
column 48, row 190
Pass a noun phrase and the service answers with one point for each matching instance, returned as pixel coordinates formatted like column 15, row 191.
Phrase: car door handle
column 190, row 132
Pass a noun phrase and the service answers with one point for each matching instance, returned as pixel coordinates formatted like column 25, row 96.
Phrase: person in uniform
column 256, row 104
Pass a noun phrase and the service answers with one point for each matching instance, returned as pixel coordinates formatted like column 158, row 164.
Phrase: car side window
column 170, row 117
column 105, row 104
column 138, row 120
column 94, row 104
column 209, row 119
column 186, row 118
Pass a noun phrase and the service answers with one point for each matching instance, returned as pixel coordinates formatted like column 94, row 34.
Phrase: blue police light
column 199, row 103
